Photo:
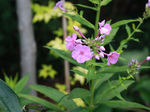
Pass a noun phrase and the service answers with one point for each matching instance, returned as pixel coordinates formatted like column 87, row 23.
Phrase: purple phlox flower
column 148, row 4
column 134, row 64
column 130, row 64
column 113, row 57
column 59, row 5
column 77, row 29
column 82, row 53
column 72, row 42
column 104, row 29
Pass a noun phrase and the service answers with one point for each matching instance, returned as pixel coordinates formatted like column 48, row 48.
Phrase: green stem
column 129, row 37
column 136, row 28
column 97, row 18
column 92, row 87
column 92, row 96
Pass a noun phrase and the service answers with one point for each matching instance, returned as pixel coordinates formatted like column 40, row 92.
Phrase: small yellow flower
column 46, row 71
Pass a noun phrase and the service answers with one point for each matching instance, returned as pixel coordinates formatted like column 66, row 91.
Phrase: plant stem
column 95, row 33
column 97, row 18
column 129, row 37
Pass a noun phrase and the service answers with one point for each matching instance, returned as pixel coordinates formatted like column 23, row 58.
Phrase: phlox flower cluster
column 85, row 49
column 134, row 65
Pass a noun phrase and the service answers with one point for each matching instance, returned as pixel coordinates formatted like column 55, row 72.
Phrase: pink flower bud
column 102, row 48
column 101, row 54
column 148, row 58
column 75, row 28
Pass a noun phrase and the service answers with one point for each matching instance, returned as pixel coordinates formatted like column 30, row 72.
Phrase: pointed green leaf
column 118, row 95
column 79, row 93
column 100, row 64
column 79, row 72
column 93, row 8
column 124, row 104
column 104, row 92
column 21, row 84
column 133, row 26
column 128, row 29
column 80, row 109
column 94, row 1
column 9, row 101
column 80, row 20
column 137, row 40
column 90, row 74
column 46, row 103
column 113, row 69
column 56, row 95
column 122, row 22
column 105, row 2
column 138, row 30
column 109, row 38
column 101, row 80
column 66, row 55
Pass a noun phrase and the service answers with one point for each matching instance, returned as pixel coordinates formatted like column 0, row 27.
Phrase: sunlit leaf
column 80, row 20
column 122, row 22
column 79, row 93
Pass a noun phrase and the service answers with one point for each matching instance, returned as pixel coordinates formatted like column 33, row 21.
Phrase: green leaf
column 117, row 94
column 105, row 93
column 109, row 38
column 20, row 85
column 105, row 2
column 80, row 20
column 111, row 48
column 144, row 67
column 79, row 72
column 137, row 40
column 100, row 64
column 94, row 1
column 56, row 95
column 93, row 8
column 9, row 101
column 119, row 23
column 80, row 109
column 90, row 74
column 46, row 103
column 79, row 93
column 133, row 26
column 123, row 104
column 101, row 80
column 138, row 30
column 113, row 69
column 128, row 29
column 66, row 56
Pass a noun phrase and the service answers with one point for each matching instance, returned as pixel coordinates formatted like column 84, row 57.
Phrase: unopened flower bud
column 148, row 58
column 102, row 48
column 101, row 54
column 75, row 28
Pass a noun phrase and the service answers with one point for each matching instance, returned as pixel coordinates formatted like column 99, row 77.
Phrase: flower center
column 81, row 52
